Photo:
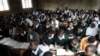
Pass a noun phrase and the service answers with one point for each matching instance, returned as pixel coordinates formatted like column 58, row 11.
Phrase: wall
column 74, row 4
column 16, row 6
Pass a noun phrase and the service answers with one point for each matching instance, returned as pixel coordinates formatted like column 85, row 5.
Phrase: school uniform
column 37, row 52
column 80, row 34
column 69, row 30
column 33, row 36
column 46, row 28
column 49, row 40
column 61, row 41
column 74, row 49
column 38, row 29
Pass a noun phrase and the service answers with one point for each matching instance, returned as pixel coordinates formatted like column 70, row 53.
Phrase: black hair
column 34, row 41
column 91, row 47
column 48, row 54
column 91, row 39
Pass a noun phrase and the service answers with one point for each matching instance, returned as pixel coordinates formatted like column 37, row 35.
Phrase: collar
column 51, row 36
column 36, row 51
column 37, row 26
column 47, row 26
column 63, row 37
column 71, row 28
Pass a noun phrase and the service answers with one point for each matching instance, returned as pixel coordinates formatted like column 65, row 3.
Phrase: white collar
column 36, row 51
column 51, row 36
column 71, row 28
column 47, row 26
column 63, row 37
column 37, row 25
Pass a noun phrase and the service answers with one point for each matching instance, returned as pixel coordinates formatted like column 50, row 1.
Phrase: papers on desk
column 4, row 40
column 22, row 45
column 14, row 44
column 64, row 52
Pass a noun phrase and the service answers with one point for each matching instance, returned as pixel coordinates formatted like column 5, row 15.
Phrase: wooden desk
column 18, row 52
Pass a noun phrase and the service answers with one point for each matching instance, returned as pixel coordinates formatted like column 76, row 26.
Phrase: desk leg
column 21, row 52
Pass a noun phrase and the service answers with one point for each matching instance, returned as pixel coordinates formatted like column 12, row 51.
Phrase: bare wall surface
column 74, row 4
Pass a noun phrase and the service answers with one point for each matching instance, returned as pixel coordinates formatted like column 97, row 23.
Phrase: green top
column 62, row 42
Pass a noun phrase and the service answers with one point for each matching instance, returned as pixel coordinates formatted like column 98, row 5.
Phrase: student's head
column 33, row 44
column 49, row 33
column 48, row 54
column 92, row 25
column 90, row 50
column 47, row 22
column 74, row 41
column 71, row 24
column 60, row 33
column 82, row 21
column 53, row 17
column 30, row 30
column 91, row 39
column 79, row 29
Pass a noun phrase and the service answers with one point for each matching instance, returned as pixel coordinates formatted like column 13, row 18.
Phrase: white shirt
column 56, row 22
column 36, row 51
column 91, row 31
column 29, row 21
column 63, row 37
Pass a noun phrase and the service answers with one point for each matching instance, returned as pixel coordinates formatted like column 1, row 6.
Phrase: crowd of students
column 81, row 32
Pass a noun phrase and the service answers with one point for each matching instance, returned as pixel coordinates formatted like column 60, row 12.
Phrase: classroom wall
column 74, row 4
column 16, row 6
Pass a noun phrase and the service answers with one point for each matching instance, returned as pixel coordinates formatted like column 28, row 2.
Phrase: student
column 79, row 32
column 47, row 26
column 74, row 45
column 48, row 54
column 88, row 41
column 48, row 38
column 89, row 51
column 83, row 24
column 32, row 35
column 38, row 27
column 54, row 22
column 92, row 30
column 70, row 29
column 34, row 50
column 61, row 39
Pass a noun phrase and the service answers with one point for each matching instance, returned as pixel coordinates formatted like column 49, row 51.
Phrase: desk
column 18, row 52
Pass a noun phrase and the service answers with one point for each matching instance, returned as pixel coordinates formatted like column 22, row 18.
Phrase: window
column 27, row 3
column 4, row 5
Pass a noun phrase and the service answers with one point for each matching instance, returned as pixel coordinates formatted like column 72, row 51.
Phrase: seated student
column 89, row 51
column 54, row 23
column 92, row 30
column 70, row 29
column 38, row 27
column 79, row 33
column 21, row 35
column 74, row 45
column 47, row 54
column 61, row 39
column 32, row 35
column 48, row 38
column 47, row 26
column 83, row 25
column 88, row 41
column 34, row 50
